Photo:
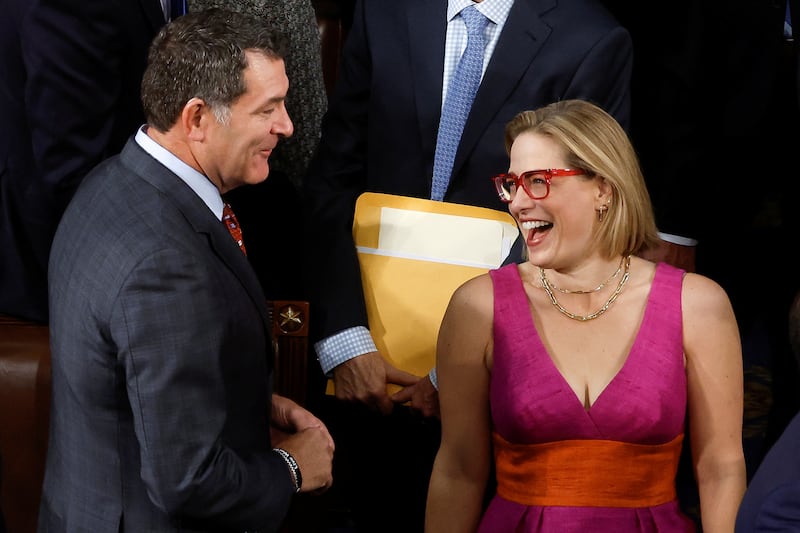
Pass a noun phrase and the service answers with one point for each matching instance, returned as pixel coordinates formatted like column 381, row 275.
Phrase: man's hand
column 363, row 379
column 305, row 436
column 422, row 396
column 312, row 448
column 675, row 254
column 288, row 417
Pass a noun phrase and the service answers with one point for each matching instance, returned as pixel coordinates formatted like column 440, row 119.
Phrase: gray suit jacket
column 162, row 365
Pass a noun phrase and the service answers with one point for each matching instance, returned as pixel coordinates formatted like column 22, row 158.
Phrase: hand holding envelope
column 413, row 254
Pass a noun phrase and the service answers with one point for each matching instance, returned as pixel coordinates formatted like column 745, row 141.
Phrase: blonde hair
column 594, row 141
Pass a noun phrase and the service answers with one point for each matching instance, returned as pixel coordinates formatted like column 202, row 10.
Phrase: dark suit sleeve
column 604, row 75
column 780, row 511
column 772, row 500
column 70, row 73
column 336, row 178
column 77, row 56
column 194, row 354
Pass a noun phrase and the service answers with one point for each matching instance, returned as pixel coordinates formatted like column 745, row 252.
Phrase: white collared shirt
column 199, row 183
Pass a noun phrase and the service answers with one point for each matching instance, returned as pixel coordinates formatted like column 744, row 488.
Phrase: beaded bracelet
column 294, row 469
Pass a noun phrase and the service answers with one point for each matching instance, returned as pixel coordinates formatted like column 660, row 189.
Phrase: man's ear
column 194, row 119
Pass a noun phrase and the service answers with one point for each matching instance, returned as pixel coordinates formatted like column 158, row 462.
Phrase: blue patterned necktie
column 458, row 101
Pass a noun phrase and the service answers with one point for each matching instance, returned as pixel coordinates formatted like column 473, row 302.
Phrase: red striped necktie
column 229, row 219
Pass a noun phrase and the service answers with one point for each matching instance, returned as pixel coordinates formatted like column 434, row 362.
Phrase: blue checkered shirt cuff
column 434, row 378
column 339, row 348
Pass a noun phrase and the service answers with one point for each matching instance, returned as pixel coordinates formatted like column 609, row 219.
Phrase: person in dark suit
column 69, row 96
column 772, row 499
column 380, row 135
column 163, row 415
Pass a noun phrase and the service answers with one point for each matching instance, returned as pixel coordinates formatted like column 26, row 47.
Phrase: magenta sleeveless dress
column 531, row 403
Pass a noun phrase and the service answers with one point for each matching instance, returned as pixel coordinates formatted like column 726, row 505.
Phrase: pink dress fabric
column 531, row 403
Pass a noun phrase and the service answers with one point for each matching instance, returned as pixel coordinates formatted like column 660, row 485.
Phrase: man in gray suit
column 163, row 416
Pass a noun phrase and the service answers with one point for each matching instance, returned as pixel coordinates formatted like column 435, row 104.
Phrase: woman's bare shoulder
column 705, row 304
column 474, row 296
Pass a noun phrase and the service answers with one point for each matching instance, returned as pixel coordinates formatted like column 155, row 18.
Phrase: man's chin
column 259, row 176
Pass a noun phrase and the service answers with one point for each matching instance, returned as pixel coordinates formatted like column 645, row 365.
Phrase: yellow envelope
column 414, row 254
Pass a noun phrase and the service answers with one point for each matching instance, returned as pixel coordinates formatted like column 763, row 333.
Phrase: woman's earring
column 601, row 213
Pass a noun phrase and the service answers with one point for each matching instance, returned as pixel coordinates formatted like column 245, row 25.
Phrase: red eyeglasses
column 535, row 183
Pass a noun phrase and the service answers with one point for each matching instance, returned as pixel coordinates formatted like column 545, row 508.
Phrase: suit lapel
column 427, row 28
column 227, row 249
column 200, row 217
column 523, row 36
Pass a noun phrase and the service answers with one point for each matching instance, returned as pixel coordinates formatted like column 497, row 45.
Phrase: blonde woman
column 579, row 370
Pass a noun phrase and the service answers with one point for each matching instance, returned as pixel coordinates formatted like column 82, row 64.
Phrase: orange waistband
column 587, row 473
